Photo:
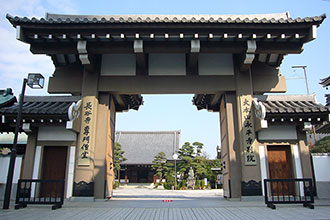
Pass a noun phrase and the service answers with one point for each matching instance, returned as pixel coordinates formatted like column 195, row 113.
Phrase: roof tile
column 258, row 18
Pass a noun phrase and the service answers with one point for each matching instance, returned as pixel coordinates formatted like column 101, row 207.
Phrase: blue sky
column 166, row 112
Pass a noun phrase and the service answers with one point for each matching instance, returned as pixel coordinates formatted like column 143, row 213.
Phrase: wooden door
column 54, row 166
column 280, row 167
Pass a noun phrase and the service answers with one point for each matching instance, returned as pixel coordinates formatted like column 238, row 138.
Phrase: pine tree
column 159, row 165
column 186, row 154
column 119, row 158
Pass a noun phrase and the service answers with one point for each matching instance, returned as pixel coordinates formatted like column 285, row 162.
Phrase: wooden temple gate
column 111, row 60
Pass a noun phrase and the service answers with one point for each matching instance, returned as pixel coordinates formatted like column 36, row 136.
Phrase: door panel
column 54, row 167
column 280, row 167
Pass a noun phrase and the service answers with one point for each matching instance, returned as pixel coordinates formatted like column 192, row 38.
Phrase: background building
column 140, row 149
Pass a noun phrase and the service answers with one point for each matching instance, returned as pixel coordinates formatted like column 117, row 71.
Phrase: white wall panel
column 56, row 133
column 321, row 168
column 69, row 188
column 215, row 64
column 8, row 138
column 4, row 165
column 282, row 132
column 118, row 65
column 167, row 64
column 263, row 166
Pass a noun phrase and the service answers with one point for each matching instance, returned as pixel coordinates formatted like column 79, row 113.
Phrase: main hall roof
column 280, row 18
column 142, row 146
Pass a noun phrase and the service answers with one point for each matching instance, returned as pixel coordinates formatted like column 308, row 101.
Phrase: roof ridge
column 51, row 98
column 298, row 97
column 284, row 15
column 169, row 18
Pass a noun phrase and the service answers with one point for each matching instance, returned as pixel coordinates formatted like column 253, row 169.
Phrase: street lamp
column 34, row 80
column 304, row 68
column 175, row 157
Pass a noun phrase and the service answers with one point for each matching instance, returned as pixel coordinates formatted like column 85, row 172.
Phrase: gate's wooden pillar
column 110, row 149
column 249, row 150
column 84, row 180
column 230, row 150
column 305, row 157
column 103, row 121
column 29, row 154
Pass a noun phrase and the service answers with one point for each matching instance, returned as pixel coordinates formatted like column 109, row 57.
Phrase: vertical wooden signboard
column 249, row 141
column 87, row 130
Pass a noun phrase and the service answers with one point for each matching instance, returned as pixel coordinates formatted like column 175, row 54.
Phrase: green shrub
column 182, row 184
column 168, row 185
column 116, row 184
column 322, row 146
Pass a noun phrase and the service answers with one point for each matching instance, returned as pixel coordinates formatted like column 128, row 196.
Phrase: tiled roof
column 292, row 104
column 42, row 105
column 142, row 146
column 327, row 96
column 325, row 82
column 7, row 97
column 275, row 104
column 280, row 18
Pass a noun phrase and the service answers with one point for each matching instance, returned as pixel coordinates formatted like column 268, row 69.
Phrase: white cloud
column 16, row 60
column 62, row 6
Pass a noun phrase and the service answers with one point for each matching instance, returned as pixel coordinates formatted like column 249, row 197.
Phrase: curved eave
column 159, row 19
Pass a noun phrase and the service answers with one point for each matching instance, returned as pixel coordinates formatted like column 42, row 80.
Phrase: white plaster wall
column 321, row 168
column 167, row 64
column 321, row 165
column 56, row 133
column 263, row 166
column 36, row 168
column 8, row 138
column 282, row 132
column 69, row 188
column 118, row 65
column 297, row 164
column 215, row 64
column 4, row 165
column 297, row 161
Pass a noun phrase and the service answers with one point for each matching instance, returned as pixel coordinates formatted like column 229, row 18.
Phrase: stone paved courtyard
column 144, row 203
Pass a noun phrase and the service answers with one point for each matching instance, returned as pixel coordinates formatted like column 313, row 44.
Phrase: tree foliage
column 119, row 157
column 322, row 146
column 159, row 165
column 190, row 155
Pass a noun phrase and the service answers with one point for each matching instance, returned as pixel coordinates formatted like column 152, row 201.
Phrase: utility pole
column 304, row 68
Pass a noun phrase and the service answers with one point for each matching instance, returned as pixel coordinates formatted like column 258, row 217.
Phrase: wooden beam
column 98, row 47
column 118, row 99
column 166, row 84
column 58, row 85
column 279, row 47
column 192, row 63
column 141, row 64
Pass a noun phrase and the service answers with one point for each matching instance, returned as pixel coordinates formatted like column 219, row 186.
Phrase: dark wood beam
column 141, row 64
column 235, row 47
column 280, row 47
column 192, row 63
column 118, row 99
column 166, row 84
column 71, row 85
column 54, row 48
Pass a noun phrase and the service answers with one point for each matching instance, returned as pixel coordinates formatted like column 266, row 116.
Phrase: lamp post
column 34, row 80
column 304, row 68
column 175, row 157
